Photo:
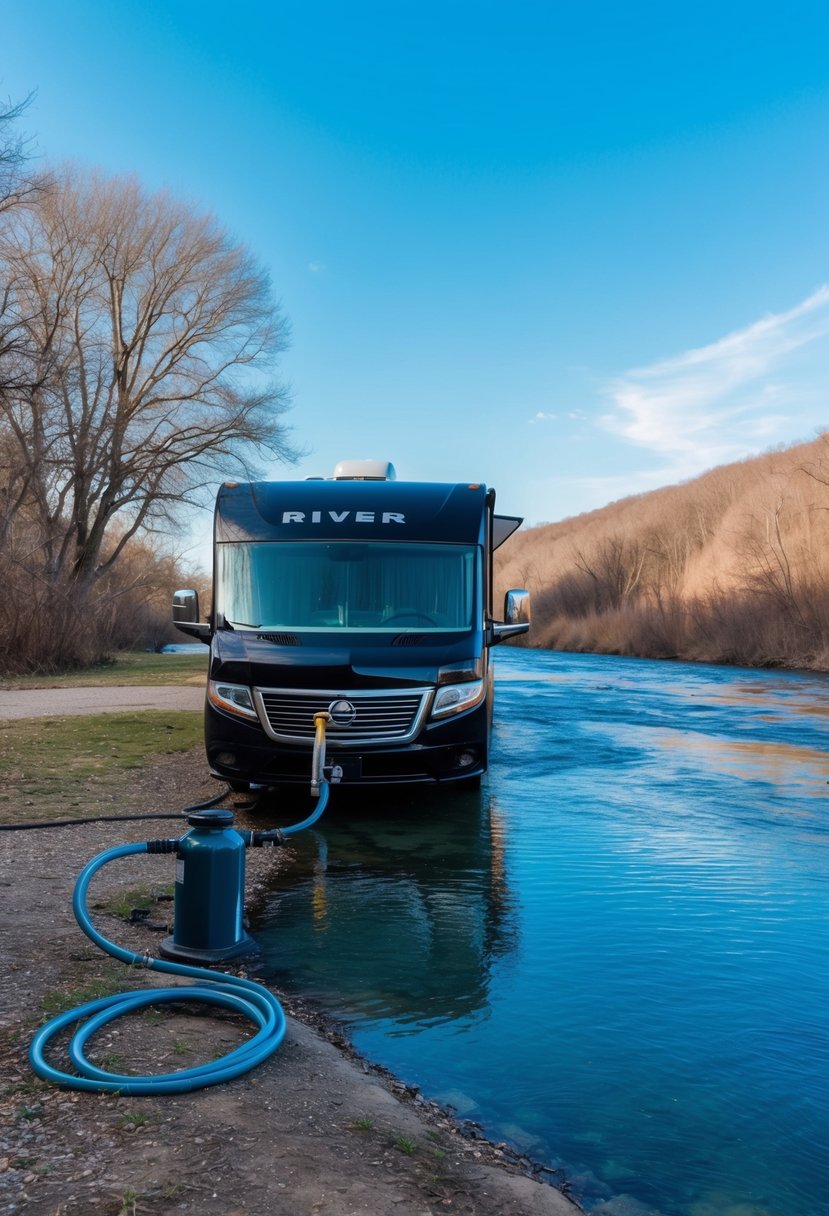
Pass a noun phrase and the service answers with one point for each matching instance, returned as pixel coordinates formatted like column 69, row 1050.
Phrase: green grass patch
column 133, row 899
column 134, row 1120
column 49, row 766
column 364, row 1124
column 64, row 999
column 129, row 1203
column 129, row 668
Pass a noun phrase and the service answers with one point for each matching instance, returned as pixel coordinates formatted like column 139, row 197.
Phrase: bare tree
column 136, row 360
column 776, row 574
column 15, row 188
column 615, row 567
column 817, row 467
column 15, row 185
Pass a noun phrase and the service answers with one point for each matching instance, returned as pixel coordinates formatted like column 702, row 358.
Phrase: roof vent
column 365, row 470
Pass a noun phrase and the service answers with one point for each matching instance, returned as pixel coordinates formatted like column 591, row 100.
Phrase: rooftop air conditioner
column 365, row 470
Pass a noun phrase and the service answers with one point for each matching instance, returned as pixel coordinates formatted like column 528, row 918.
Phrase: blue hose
column 243, row 996
column 313, row 817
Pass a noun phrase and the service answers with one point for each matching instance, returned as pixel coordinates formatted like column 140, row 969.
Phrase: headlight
column 232, row 698
column 453, row 698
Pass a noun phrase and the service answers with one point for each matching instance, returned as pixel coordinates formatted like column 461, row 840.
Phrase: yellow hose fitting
column 318, row 759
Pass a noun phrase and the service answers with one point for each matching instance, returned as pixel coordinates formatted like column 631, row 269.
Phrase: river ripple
column 616, row 956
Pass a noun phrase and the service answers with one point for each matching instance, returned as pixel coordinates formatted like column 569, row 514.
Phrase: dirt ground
column 313, row 1130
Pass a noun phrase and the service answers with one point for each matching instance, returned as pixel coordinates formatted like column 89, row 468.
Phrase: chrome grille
column 379, row 717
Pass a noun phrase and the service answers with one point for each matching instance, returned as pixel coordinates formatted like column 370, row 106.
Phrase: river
column 615, row 956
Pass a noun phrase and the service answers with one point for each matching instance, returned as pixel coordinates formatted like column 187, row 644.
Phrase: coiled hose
column 243, row 996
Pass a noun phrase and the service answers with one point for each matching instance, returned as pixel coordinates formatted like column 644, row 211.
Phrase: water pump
column 207, row 926
column 210, row 892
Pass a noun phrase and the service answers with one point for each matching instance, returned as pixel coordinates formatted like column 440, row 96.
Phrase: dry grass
column 732, row 567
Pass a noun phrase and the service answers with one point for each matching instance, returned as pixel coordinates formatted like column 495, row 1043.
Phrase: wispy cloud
column 317, row 267
column 718, row 402
column 549, row 416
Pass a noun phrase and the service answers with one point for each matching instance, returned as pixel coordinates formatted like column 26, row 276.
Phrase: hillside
column 731, row 567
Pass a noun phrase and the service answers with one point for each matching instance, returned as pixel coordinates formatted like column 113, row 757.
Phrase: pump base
column 170, row 948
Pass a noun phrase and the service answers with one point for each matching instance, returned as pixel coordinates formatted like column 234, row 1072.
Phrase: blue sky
column 574, row 249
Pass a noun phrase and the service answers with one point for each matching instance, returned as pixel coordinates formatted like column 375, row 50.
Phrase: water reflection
column 618, row 960
column 780, row 764
column 395, row 911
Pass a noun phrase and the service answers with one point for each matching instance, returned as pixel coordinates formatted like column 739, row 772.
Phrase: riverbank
column 313, row 1130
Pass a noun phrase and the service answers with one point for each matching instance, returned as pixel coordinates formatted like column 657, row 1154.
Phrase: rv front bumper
column 453, row 750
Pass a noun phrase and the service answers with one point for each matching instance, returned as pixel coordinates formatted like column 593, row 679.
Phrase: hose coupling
column 272, row 839
column 318, row 758
column 164, row 846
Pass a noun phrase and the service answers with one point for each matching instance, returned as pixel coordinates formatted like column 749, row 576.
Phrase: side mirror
column 185, row 607
column 186, row 615
column 516, row 616
column 517, row 607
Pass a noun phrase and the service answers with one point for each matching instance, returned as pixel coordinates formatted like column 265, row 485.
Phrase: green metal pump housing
column 210, row 892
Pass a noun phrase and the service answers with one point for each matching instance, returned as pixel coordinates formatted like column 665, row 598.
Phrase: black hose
column 72, row 823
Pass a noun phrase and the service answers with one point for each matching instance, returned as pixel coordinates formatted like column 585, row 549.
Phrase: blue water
column 615, row 956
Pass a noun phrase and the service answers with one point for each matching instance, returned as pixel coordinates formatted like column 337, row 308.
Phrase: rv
column 364, row 597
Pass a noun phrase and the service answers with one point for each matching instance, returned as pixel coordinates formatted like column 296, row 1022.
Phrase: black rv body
column 370, row 600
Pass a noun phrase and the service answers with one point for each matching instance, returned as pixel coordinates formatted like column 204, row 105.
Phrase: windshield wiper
column 244, row 624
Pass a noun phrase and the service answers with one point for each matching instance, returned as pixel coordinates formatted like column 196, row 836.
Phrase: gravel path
column 60, row 702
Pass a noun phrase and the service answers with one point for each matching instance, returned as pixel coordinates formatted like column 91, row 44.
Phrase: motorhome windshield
column 359, row 586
